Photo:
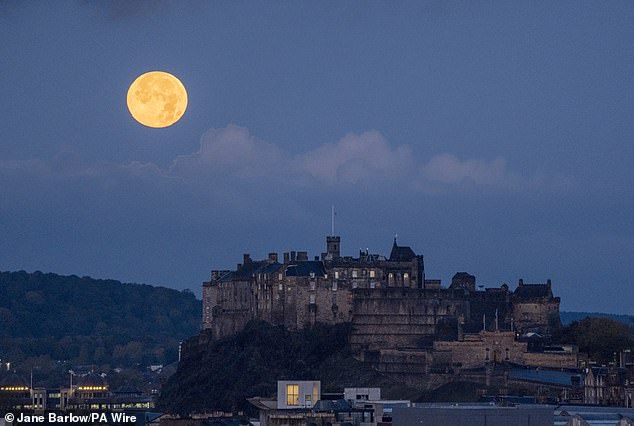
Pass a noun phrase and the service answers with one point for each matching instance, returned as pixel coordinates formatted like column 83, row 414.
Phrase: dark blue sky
column 494, row 137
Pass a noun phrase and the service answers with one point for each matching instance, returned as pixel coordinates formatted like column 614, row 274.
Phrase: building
column 297, row 394
column 399, row 317
column 300, row 292
column 300, row 403
column 473, row 414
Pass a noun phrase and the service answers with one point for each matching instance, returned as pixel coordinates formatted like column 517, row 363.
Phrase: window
column 354, row 285
column 280, row 287
column 354, row 273
column 334, row 286
column 292, row 394
column 312, row 285
column 336, row 275
column 372, row 285
column 312, row 275
column 280, row 276
column 311, row 299
column 372, row 274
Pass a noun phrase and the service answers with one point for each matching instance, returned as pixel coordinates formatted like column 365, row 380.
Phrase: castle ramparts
column 398, row 315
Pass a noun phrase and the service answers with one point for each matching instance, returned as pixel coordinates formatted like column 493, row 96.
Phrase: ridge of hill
column 567, row 317
column 91, row 321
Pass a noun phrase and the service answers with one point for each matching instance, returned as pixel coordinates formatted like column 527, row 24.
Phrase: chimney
column 214, row 275
column 293, row 256
column 548, row 283
column 272, row 257
column 286, row 258
column 302, row 255
column 239, row 266
column 521, row 282
column 246, row 258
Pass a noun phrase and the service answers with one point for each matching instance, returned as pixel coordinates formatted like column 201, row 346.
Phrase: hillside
column 221, row 374
column 46, row 317
column 568, row 317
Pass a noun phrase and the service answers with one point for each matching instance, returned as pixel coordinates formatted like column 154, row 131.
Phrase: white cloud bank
column 233, row 153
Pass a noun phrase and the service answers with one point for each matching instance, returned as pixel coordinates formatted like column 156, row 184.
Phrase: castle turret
column 333, row 246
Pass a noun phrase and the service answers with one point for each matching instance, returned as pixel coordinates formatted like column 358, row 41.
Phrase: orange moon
column 157, row 99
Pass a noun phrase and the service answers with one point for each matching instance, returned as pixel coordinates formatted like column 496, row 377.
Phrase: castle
column 393, row 307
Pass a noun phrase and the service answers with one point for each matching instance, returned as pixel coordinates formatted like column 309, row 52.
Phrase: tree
column 600, row 338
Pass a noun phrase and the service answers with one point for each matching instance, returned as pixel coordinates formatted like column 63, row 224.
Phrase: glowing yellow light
column 157, row 99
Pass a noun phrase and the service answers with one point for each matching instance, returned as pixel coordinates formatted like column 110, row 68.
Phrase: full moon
column 157, row 99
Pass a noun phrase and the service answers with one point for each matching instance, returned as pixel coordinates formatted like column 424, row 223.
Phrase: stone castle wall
column 401, row 317
column 399, row 325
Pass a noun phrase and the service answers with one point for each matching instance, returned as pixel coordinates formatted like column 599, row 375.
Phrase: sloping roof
column 92, row 379
column 13, row 380
column 527, row 291
column 562, row 378
column 263, row 403
column 247, row 270
column 332, row 405
column 462, row 276
column 305, row 268
column 401, row 253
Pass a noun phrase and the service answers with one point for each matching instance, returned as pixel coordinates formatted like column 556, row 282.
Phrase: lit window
column 334, row 286
column 280, row 276
column 280, row 287
column 336, row 275
column 372, row 274
column 354, row 273
column 292, row 394
column 312, row 299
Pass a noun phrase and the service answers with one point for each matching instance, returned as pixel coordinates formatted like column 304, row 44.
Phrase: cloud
column 356, row 158
column 232, row 151
column 448, row 168
column 231, row 158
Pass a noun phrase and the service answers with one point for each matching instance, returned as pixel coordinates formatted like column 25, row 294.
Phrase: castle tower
column 333, row 246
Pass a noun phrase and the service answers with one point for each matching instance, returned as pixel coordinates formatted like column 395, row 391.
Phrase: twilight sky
column 494, row 137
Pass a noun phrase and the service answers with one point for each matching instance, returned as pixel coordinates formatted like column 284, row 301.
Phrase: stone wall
column 497, row 347
column 480, row 349
column 539, row 314
column 397, row 318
